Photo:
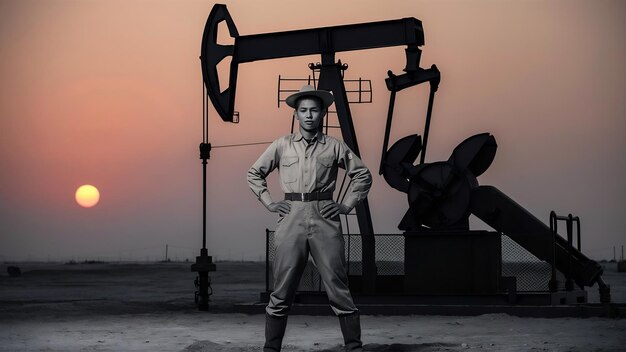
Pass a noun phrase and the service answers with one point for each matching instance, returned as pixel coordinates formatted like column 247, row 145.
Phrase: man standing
column 308, row 217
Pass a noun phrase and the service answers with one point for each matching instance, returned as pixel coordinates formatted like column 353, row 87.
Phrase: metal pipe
column 331, row 79
column 278, row 91
column 578, row 235
column 553, row 284
column 204, row 162
column 431, row 98
column 569, row 283
column 392, row 102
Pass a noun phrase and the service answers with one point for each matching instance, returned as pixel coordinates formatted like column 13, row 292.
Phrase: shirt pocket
column 326, row 170
column 289, row 169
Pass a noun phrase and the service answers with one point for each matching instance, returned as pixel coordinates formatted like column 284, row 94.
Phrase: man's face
column 309, row 114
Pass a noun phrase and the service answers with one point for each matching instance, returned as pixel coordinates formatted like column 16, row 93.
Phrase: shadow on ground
column 209, row 346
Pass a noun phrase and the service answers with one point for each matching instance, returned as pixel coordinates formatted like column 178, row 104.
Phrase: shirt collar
column 296, row 137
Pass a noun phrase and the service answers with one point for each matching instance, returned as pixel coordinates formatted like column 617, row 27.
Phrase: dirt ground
column 149, row 307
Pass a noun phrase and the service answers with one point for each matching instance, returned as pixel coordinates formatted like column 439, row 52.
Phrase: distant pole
column 166, row 252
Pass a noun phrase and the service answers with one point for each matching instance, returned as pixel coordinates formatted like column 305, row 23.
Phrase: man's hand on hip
column 283, row 207
column 333, row 209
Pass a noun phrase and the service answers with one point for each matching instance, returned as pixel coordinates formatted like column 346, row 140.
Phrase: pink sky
column 108, row 93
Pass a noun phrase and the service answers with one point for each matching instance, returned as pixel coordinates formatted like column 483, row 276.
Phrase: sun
column 87, row 196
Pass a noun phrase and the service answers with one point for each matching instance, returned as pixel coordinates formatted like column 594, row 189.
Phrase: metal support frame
column 554, row 283
column 364, row 87
column 503, row 214
column 413, row 76
column 569, row 226
column 603, row 288
column 331, row 79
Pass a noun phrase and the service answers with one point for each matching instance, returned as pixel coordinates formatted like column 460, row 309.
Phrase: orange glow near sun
column 87, row 196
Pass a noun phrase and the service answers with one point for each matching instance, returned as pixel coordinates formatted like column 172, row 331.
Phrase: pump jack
column 326, row 42
column 441, row 195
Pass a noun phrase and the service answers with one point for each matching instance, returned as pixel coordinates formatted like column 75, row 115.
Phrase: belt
column 307, row 197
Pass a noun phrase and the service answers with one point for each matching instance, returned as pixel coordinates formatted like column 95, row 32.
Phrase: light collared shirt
column 309, row 167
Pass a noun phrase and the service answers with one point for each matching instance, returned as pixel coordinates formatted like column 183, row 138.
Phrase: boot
column 274, row 332
column 351, row 330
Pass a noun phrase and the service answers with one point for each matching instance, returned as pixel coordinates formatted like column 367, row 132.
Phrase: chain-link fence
column 532, row 273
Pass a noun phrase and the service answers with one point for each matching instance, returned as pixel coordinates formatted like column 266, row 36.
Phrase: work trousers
column 302, row 232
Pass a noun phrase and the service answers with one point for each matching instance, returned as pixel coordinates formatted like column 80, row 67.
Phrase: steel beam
column 406, row 31
column 331, row 80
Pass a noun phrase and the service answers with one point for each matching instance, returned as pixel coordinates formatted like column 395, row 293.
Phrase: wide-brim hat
column 308, row 90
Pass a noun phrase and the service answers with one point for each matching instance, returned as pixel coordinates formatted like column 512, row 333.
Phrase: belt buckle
column 302, row 197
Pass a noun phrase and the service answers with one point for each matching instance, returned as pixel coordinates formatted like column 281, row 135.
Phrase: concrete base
column 579, row 311
column 527, row 304
column 519, row 299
